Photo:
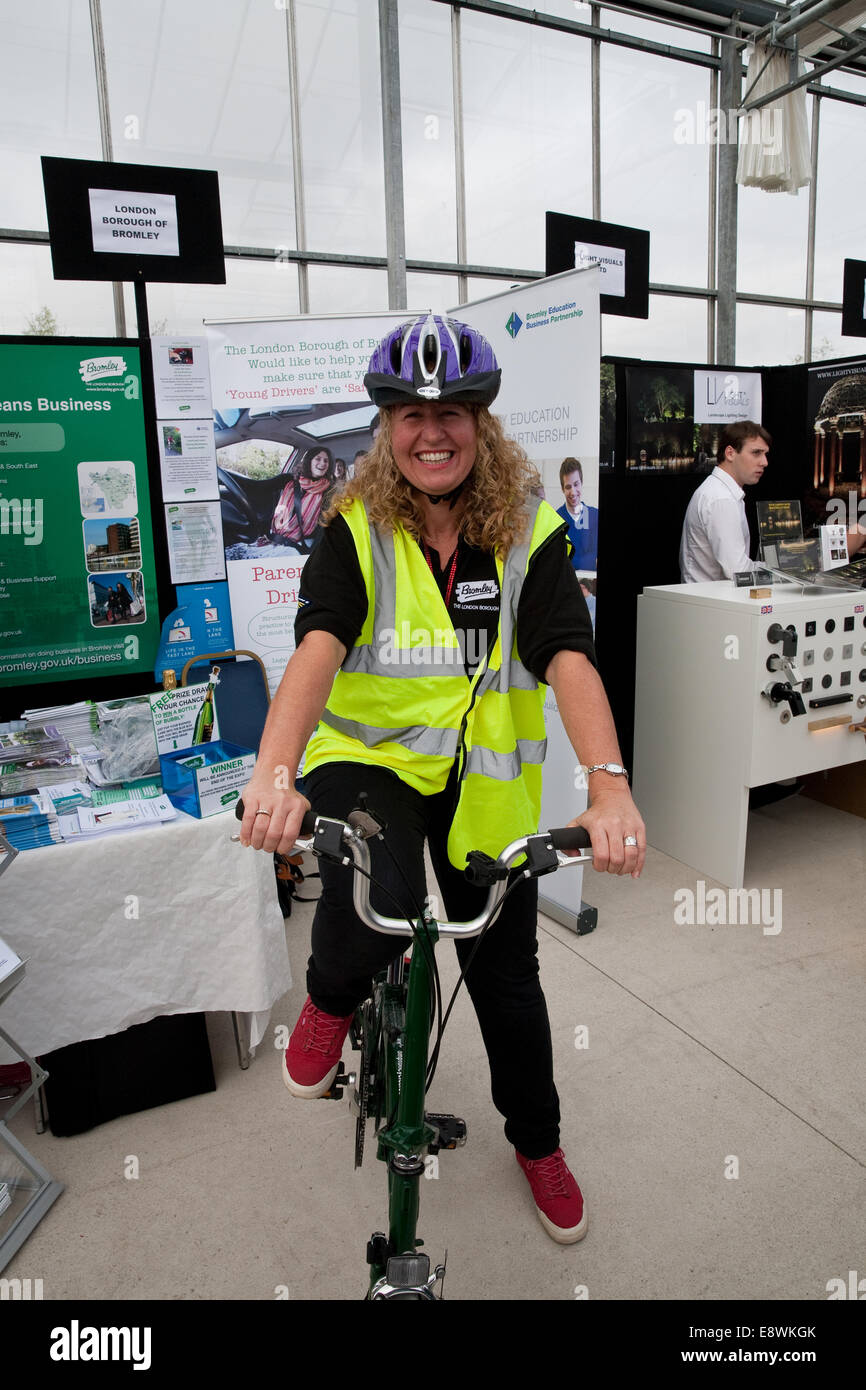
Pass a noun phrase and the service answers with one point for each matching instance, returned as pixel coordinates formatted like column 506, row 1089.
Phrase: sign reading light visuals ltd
column 77, row 576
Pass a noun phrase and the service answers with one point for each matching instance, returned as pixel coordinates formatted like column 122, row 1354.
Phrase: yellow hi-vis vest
column 402, row 700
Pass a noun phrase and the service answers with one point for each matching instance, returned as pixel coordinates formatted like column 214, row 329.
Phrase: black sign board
column 854, row 300
column 134, row 222
column 622, row 254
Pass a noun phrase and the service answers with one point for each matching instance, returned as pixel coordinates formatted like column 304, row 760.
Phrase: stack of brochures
column 34, row 757
column 28, row 822
column 76, row 723
column 88, row 822
column 9, row 960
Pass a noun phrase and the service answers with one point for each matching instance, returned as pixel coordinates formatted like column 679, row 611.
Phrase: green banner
column 77, row 576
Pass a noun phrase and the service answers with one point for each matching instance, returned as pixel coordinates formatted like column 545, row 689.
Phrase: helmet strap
column 449, row 497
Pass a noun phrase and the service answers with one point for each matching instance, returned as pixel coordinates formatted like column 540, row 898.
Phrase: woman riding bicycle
column 437, row 605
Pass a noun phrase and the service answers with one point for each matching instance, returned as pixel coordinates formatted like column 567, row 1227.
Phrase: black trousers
column 503, row 980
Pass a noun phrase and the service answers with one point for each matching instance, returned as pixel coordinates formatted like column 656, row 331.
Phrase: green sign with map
column 77, row 577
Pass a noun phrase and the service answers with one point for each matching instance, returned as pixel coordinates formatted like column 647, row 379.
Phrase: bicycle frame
column 404, row 1020
column 403, row 1141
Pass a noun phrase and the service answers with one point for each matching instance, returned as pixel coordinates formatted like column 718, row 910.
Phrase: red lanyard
column 451, row 573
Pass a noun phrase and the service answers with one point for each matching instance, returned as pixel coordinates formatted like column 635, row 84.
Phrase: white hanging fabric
column 774, row 140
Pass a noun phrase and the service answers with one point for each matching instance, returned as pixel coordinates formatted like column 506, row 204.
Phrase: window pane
column 560, row 9
column 436, row 292
column 253, row 289
column 68, row 307
column 839, row 210
column 673, row 34
column 827, row 340
column 204, row 85
column 844, row 81
column 769, row 336
column 676, row 331
column 47, row 101
column 527, row 122
column 428, row 131
column 772, row 235
column 480, row 288
column 345, row 289
column 341, row 125
column 655, row 158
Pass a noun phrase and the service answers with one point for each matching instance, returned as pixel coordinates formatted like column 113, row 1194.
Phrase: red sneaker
column 557, row 1197
column 313, row 1054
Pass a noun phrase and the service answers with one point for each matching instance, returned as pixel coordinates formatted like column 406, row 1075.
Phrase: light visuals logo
column 514, row 324
column 97, row 368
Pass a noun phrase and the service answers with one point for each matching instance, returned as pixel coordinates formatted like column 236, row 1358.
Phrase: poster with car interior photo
column 291, row 419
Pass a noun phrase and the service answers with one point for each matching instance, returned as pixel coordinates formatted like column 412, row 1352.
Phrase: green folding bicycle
column 392, row 1031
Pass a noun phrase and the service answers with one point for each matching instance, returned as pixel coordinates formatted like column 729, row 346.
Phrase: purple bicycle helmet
column 433, row 359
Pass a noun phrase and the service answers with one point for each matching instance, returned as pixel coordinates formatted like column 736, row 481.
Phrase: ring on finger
column 630, row 840
column 262, row 812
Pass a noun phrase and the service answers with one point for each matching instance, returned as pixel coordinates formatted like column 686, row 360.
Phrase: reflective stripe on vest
column 407, row 666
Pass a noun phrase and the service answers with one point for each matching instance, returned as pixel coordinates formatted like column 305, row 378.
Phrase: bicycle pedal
column 450, row 1132
column 340, row 1081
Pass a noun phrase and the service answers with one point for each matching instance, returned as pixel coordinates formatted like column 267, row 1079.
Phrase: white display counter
column 711, row 719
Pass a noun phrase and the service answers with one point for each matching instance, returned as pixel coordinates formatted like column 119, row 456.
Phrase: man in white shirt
column 715, row 540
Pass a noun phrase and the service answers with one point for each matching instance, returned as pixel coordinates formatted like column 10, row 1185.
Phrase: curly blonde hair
column 494, row 516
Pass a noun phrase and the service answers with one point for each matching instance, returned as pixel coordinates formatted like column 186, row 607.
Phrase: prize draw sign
column 77, row 585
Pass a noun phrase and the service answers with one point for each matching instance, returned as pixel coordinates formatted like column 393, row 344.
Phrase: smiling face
column 434, row 444
column 746, row 465
column 319, row 465
column 572, row 486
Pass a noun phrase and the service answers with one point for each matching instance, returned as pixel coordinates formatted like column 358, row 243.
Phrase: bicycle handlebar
column 344, row 843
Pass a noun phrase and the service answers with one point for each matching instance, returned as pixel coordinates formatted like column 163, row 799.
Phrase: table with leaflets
column 132, row 925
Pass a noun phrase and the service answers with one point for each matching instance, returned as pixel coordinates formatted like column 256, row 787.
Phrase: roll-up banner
column 290, row 417
column 547, row 339
column 289, row 397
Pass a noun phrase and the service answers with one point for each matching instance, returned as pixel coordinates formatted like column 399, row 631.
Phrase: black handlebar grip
column 308, row 824
column 570, row 837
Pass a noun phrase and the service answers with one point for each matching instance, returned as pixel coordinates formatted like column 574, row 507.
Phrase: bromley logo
column 514, row 325
column 476, row 589
column 97, row 368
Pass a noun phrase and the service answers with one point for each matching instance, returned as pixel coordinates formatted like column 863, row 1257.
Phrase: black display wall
column 641, row 519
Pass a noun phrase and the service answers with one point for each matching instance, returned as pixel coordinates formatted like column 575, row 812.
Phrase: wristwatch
column 615, row 769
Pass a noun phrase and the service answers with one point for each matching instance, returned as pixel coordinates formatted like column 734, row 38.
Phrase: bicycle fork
column 397, row 1270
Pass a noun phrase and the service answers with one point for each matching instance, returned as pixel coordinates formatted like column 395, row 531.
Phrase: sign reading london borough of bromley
column 144, row 223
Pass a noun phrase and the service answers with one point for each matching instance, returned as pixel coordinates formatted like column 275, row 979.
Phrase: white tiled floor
column 706, row 1045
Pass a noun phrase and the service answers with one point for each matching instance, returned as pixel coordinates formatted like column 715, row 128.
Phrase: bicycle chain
column 363, row 1092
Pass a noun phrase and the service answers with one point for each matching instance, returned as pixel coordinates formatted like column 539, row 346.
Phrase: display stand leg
column 241, row 1025
column 45, row 1190
column 582, row 922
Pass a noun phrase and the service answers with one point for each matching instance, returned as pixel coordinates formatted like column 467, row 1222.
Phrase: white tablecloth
column 171, row 919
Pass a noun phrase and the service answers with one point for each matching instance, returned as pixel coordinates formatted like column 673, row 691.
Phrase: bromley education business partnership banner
column 288, row 399
column 77, row 578
column 547, row 339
